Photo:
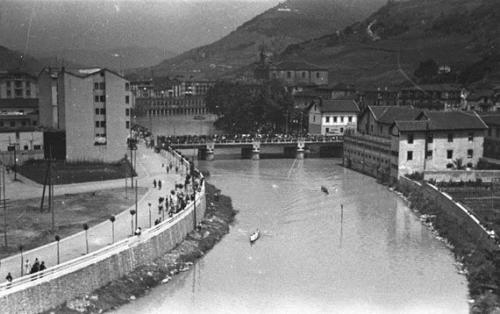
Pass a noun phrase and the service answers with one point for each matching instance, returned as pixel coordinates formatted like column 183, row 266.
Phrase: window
column 341, row 119
column 103, row 111
column 127, row 99
column 127, row 124
column 96, row 98
column 12, row 123
column 289, row 74
column 450, row 137
column 9, row 94
column 28, row 92
column 471, row 137
column 409, row 155
column 341, row 130
column 8, row 84
column 335, row 119
column 489, row 132
column 327, row 130
column 103, row 124
column 429, row 154
column 1, row 123
column 327, row 119
column 430, row 138
column 410, row 138
column 350, row 119
column 449, row 166
column 303, row 74
column 127, row 112
column 449, row 153
column 97, row 124
column 25, row 147
column 102, row 85
column 127, row 86
column 470, row 153
column 37, row 147
column 23, row 123
column 96, row 85
column 317, row 74
column 96, row 110
column 314, row 118
column 102, row 98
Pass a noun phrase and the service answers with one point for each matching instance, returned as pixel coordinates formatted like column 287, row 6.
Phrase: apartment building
column 393, row 141
column 492, row 139
column 92, row 107
column 296, row 73
column 332, row 116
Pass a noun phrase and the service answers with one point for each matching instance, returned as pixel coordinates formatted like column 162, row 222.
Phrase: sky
column 36, row 26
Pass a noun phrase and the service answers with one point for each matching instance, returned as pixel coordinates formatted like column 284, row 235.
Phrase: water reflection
column 378, row 259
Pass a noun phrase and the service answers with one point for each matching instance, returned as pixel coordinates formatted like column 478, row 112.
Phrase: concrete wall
column 106, row 265
column 454, row 211
column 462, row 175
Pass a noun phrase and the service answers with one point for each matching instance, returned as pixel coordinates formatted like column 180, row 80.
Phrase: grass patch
column 75, row 172
column 28, row 226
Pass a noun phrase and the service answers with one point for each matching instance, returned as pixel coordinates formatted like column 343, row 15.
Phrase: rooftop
column 339, row 105
column 298, row 65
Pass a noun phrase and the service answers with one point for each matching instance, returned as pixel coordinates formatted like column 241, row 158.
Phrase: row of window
column 430, row 138
column 449, row 154
column 368, row 156
column 335, row 119
column 497, row 133
column 102, row 111
column 12, row 123
column 102, row 98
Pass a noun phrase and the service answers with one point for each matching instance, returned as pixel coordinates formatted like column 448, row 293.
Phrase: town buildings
column 20, row 138
column 492, row 139
column 393, row 141
column 332, row 116
column 92, row 107
column 432, row 96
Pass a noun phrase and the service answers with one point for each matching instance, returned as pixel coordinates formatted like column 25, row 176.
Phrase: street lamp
column 57, row 239
column 132, row 213
column 22, row 258
column 86, row 228
column 149, row 204
column 112, row 219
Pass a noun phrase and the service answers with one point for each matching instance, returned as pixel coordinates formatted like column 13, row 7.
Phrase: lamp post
column 136, row 208
column 112, row 219
column 22, row 258
column 57, row 239
column 86, row 228
column 149, row 204
column 132, row 213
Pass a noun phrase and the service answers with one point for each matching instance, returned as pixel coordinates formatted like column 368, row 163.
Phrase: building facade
column 492, row 139
column 92, row 106
column 432, row 96
column 332, row 116
column 394, row 141
column 298, row 73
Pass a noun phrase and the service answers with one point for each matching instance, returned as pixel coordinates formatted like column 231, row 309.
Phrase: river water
column 377, row 258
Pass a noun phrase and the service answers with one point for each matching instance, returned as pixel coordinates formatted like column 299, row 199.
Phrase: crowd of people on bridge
column 241, row 138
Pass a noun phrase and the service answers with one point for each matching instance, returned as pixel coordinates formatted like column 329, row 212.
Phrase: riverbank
column 219, row 215
column 480, row 266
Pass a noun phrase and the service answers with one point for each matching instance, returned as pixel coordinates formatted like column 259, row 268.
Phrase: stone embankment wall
column 454, row 211
column 462, row 175
column 101, row 267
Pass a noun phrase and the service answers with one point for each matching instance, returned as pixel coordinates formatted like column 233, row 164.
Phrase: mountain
column 289, row 22
column 118, row 59
column 387, row 47
column 14, row 61
column 38, row 27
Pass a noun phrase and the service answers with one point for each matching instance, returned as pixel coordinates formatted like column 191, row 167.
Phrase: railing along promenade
column 30, row 281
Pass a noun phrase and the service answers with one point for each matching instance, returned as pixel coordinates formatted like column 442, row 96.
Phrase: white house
column 332, row 116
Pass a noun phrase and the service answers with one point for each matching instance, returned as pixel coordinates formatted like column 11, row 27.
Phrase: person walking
column 154, row 183
column 27, row 267
column 9, row 279
column 36, row 266
column 159, row 184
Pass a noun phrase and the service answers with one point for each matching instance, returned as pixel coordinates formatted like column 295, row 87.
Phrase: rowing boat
column 254, row 236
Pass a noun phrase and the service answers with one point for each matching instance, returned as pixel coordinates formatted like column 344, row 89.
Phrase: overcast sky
column 176, row 25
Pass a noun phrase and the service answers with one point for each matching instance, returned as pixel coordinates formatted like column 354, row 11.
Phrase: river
column 377, row 258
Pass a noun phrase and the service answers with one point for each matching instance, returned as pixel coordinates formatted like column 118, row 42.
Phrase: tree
column 427, row 70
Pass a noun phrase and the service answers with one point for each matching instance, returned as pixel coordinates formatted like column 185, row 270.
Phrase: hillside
column 289, row 22
column 387, row 47
column 13, row 60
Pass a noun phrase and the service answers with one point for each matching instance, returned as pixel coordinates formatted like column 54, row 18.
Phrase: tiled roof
column 339, row 105
column 492, row 118
column 297, row 65
column 389, row 114
column 19, row 103
column 453, row 120
column 409, row 126
column 435, row 87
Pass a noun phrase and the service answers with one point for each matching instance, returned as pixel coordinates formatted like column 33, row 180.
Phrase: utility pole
column 136, row 209
column 4, row 206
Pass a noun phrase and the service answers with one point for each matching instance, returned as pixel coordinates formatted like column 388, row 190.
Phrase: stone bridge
column 250, row 146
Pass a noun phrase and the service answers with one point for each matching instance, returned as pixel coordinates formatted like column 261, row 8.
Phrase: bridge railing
column 245, row 139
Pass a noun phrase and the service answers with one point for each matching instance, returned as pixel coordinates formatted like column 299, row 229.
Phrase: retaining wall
column 456, row 212
column 90, row 272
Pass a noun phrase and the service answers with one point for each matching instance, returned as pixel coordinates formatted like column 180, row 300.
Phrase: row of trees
column 258, row 108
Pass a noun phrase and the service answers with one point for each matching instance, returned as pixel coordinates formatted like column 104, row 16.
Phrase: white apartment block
column 93, row 107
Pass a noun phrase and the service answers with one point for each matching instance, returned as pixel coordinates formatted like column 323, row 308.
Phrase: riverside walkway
column 149, row 167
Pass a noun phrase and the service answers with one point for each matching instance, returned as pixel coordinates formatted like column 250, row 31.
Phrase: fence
column 47, row 289
column 461, row 175
column 458, row 212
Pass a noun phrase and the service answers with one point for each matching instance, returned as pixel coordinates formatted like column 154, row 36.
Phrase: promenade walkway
column 149, row 167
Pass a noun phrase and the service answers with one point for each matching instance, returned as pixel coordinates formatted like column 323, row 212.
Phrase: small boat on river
column 324, row 189
column 254, row 236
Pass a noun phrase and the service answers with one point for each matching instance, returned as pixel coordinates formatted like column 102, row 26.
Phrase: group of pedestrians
column 28, row 269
